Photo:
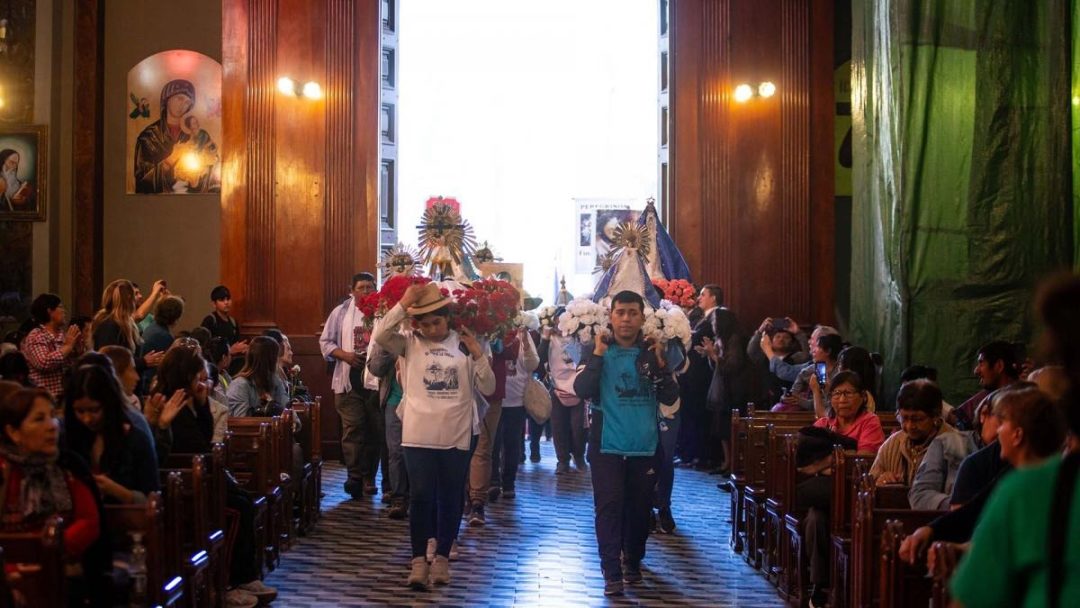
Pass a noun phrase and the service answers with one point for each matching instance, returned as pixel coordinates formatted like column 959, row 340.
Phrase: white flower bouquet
column 667, row 323
column 546, row 316
column 582, row 320
column 528, row 320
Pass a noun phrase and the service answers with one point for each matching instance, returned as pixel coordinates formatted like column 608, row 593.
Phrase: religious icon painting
column 174, row 124
column 23, row 163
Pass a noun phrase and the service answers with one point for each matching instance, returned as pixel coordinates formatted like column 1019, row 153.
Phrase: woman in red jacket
column 36, row 485
column 38, row 480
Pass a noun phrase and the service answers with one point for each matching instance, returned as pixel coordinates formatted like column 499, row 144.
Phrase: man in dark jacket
column 626, row 379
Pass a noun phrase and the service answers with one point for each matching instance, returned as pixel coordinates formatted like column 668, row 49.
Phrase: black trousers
column 506, row 454
column 622, row 497
column 815, row 494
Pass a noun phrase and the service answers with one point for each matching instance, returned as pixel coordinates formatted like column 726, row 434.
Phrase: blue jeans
column 395, row 470
column 436, row 496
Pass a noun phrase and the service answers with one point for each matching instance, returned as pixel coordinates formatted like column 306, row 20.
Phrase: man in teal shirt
column 626, row 379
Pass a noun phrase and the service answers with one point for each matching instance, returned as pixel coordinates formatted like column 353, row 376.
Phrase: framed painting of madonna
column 23, row 163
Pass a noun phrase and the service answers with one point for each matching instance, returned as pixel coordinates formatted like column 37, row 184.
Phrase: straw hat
column 431, row 298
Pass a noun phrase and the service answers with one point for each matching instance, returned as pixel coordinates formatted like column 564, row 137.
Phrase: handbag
column 537, row 400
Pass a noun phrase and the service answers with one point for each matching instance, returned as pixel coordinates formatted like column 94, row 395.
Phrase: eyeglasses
column 187, row 343
column 917, row 419
column 843, row 394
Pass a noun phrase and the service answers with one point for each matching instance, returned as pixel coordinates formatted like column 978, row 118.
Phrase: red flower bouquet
column 375, row 304
column 488, row 308
column 678, row 291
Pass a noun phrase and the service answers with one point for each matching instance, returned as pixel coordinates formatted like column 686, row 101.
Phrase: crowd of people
column 440, row 412
column 90, row 408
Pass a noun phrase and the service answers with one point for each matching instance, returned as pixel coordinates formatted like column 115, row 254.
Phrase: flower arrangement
column 376, row 303
column 546, row 316
column 667, row 323
column 582, row 320
column 677, row 291
column 528, row 320
column 488, row 308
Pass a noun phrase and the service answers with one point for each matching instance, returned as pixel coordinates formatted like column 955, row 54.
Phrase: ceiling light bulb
column 743, row 93
column 312, row 90
column 766, row 89
column 286, row 85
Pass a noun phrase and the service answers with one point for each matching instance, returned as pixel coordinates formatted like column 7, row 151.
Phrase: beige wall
column 149, row 237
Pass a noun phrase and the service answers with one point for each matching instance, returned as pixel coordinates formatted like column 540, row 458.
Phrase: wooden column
column 299, row 196
column 88, row 177
column 753, row 200
column 300, row 181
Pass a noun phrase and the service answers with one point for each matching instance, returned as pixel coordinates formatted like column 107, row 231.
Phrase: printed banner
column 596, row 219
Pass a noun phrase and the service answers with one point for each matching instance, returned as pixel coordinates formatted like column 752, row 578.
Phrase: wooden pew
column 902, row 584
column 311, row 445
column 939, row 591
column 737, row 479
column 848, row 469
column 780, row 480
column 873, row 508
column 192, row 562
column 40, row 555
column 758, row 483
column 203, row 515
column 250, row 460
column 164, row 585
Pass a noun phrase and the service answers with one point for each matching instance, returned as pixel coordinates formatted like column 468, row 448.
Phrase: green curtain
column 963, row 187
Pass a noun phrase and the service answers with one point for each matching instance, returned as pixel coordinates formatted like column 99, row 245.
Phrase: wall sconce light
column 744, row 92
column 288, row 86
column 312, row 90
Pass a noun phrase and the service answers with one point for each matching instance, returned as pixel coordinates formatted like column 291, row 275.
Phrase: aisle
column 536, row 550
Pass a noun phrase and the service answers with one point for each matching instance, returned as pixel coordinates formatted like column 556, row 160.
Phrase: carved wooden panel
column 260, row 280
column 748, row 210
column 343, row 177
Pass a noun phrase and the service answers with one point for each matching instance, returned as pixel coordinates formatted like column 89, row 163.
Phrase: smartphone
column 779, row 324
column 822, row 374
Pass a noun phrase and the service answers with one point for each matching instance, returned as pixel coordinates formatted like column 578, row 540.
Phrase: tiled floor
column 537, row 549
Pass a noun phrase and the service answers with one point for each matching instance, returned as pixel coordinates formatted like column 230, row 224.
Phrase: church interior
column 893, row 186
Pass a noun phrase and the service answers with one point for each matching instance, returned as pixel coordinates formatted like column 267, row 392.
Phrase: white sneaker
column 432, row 545
column 440, row 571
column 238, row 598
column 418, row 576
column 261, row 592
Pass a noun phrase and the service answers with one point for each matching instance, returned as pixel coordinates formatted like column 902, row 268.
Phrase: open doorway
column 517, row 109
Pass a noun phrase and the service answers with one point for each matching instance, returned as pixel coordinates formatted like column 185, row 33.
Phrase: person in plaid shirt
column 49, row 350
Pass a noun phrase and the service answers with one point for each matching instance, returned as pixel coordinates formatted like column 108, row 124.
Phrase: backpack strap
column 1059, row 522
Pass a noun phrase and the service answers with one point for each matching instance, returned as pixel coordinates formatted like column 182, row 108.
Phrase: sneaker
column 418, row 576
column 534, row 453
column 580, row 464
column 432, row 545
column 665, row 523
column 440, row 571
column 476, row 515
column 256, row 587
column 454, row 551
column 397, row 509
column 613, row 587
column 631, row 573
column 237, row 598
column 562, row 467
column 493, row 493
